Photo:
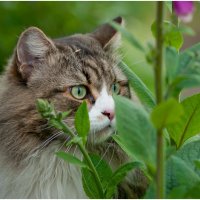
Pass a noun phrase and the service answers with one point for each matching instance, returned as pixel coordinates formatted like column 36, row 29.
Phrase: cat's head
column 69, row 70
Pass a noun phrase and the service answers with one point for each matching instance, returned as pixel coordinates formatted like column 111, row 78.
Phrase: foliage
column 99, row 181
column 132, row 136
column 188, row 124
column 170, row 121
column 58, row 19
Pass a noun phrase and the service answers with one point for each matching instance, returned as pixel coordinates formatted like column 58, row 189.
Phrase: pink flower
column 184, row 10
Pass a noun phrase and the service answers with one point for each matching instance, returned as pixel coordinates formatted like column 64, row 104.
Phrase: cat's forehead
column 87, row 63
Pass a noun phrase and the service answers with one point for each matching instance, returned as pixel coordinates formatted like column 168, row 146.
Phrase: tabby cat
column 64, row 71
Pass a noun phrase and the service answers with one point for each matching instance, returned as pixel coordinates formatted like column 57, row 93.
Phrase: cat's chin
column 101, row 136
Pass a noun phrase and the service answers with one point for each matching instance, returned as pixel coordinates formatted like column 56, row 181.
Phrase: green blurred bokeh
column 59, row 19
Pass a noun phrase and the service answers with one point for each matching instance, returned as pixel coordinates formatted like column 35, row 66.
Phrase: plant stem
column 160, row 178
column 96, row 176
column 87, row 158
column 174, row 18
column 159, row 52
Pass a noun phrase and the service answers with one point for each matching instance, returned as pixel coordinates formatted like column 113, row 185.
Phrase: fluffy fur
column 48, row 69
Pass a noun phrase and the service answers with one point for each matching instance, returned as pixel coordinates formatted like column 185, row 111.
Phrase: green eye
column 115, row 88
column 78, row 92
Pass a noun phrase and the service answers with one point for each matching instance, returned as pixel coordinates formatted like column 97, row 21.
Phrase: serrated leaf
column 104, row 171
column 133, row 127
column 118, row 176
column 172, row 35
column 82, row 123
column 71, row 159
column 166, row 113
column 188, row 125
column 128, row 36
column 143, row 93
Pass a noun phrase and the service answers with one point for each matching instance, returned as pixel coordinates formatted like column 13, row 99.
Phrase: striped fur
column 46, row 68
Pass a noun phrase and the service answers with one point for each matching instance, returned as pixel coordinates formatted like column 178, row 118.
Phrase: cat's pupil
column 116, row 88
column 79, row 91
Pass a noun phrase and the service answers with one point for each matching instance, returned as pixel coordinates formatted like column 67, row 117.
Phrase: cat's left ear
column 107, row 36
column 33, row 46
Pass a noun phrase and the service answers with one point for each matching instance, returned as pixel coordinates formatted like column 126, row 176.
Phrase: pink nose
column 109, row 113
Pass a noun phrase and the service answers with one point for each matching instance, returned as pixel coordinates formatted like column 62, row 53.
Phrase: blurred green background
column 59, row 19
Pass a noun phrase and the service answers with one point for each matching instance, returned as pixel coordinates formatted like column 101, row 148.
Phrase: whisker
column 112, row 155
column 46, row 142
column 66, row 140
column 103, row 155
column 75, row 150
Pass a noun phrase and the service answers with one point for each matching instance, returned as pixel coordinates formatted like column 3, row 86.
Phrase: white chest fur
column 44, row 176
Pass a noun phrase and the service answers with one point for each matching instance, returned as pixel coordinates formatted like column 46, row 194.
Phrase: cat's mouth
column 101, row 135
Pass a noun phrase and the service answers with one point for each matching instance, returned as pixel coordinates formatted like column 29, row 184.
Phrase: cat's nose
column 109, row 113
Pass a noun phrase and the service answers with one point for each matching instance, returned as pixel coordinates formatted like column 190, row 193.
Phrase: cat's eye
column 115, row 88
column 79, row 91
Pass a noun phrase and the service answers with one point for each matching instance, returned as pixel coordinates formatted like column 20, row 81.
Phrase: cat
column 65, row 71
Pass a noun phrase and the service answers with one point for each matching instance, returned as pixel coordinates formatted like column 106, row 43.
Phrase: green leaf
column 190, row 61
column 171, row 62
column 128, row 36
column 187, row 72
column 118, row 176
column 193, row 193
column 166, row 113
column 65, row 114
column 151, row 191
column 190, row 153
column 45, row 108
column 71, row 159
column 197, row 164
column 55, row 123
column 82, row 123
column 133, row 125
column 172, row 35
column 141, row 90
column 188, row 125
column 74, row 140
column 187, row 30
column 41, row 105
column 180, row 177
column 104, row 171
column 182, row 82
column 184, row 177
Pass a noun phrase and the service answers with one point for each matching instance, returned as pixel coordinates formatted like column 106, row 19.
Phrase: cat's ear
column 32, row 47
column 108, row 37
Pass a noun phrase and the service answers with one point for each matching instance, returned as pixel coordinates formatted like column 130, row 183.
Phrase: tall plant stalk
column 87, row 158
column 160, row 178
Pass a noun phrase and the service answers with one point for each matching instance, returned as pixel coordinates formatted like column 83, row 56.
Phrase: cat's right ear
column 32, row 47
column 107, row 36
